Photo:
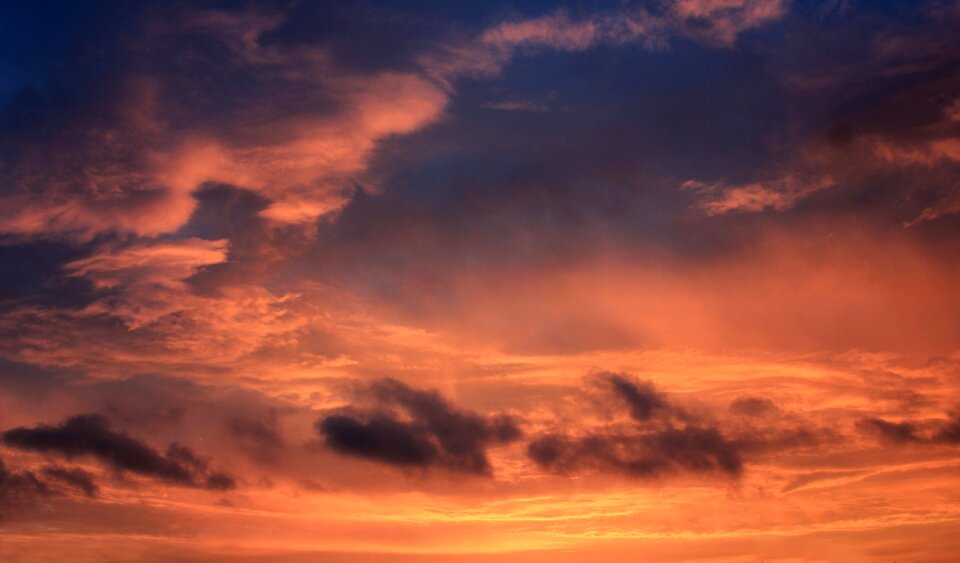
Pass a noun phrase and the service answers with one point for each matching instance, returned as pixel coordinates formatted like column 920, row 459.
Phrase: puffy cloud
column 381, row 438
column 435, row 433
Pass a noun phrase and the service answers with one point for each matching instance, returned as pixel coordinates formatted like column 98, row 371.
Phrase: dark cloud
column 73, row 477
column 753, row 406
column 891, row 432
column 929, row 432
column 186, row 457
column 641, row 454
column 381, row 438
column 22, row 490
column 92, row 435
column 220, row 481
column 436, row 434
column 949, row 432
column 657, row 441
column 642, row 398
column 232, row 423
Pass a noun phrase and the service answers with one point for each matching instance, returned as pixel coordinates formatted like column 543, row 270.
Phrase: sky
column 668, row 280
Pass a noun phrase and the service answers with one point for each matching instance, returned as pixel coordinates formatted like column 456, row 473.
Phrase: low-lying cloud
column 416, row 428
column 92, row 435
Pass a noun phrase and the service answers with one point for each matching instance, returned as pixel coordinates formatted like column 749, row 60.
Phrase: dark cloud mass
column 380, row 438
column 894, row 432
column 92, row 435
column 943, row 431
column 436, row 434
column 640, row 454
column 656, row 442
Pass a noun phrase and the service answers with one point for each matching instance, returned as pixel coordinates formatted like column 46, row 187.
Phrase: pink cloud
column 779, row 194
column 135, row 171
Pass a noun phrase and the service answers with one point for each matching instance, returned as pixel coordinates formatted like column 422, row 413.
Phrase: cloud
column 148, row 151
column 289, row 124
column 656, row 442
column 73, row 477
column 717, row 23
column 753, row 406
column 642, row 454
column 381, row 438
column 779, row 195
column 19, row 490
column 721, row 21
column 928, row 153
column 558, row 31
column 892, row 432
column 949, row 431
column 928, row 432
column 643, row 399
column 146, row 279
column 435, row 434
column 146, row 310
column 92, row 435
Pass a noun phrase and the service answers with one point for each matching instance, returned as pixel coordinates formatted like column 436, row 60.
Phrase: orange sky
column 655, row 281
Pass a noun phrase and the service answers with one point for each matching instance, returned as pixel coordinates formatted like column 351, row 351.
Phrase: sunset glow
column 666, row 280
